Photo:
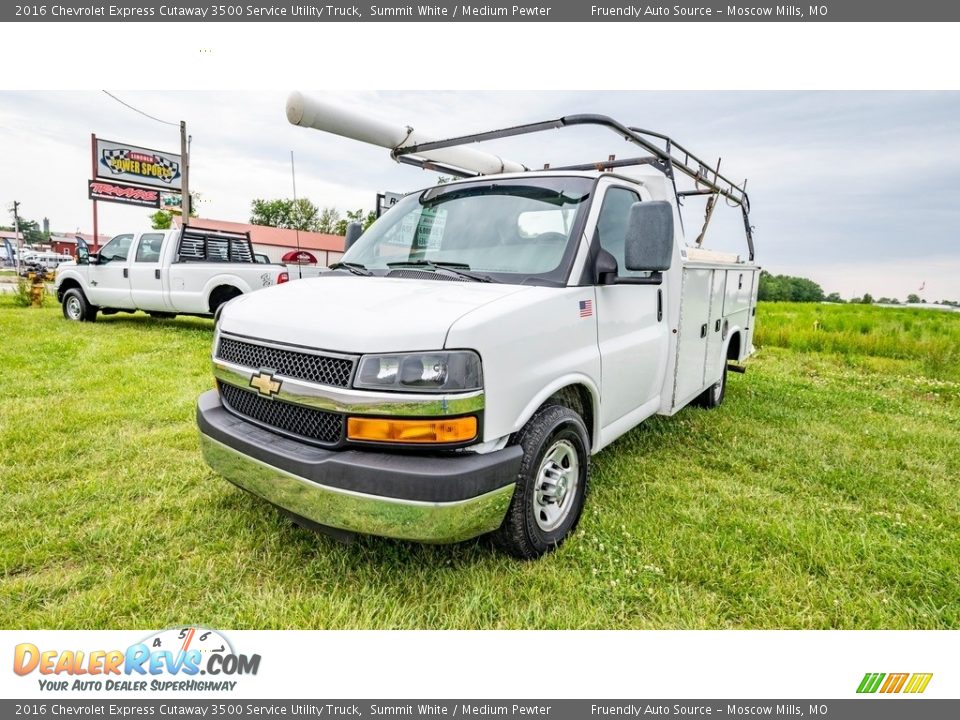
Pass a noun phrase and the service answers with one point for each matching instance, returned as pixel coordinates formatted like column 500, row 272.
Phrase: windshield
column 512, row 230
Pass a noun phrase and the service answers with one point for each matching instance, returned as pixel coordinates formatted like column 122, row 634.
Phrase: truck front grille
column 322, row 369
column 304, row 422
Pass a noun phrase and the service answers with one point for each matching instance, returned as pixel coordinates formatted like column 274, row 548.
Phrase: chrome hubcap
column 73, row 308
column 556, row 486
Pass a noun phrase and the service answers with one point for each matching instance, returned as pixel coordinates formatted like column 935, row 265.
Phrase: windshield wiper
column 355, row 268
column 455, row 268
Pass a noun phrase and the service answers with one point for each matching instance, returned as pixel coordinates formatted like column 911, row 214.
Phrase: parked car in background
column 192, row 271
column 36, row 261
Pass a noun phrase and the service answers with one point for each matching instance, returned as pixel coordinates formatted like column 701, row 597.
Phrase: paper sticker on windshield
column 430, row 228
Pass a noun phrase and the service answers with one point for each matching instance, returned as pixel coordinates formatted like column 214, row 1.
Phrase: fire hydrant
column 37, row 288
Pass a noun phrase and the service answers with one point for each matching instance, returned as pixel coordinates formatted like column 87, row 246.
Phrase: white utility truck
column 453, row 374
column 192, row 271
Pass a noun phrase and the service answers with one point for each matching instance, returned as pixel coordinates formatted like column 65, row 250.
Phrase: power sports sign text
column 119, row 162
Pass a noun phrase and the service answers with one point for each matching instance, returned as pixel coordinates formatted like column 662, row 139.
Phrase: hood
column 353, row 314
column 63, row 267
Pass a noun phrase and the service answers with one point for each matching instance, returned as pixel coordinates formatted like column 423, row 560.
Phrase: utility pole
column 185, row 172
column 93, row 176
column 16, row 236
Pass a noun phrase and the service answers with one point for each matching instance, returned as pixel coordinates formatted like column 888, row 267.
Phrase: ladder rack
column 665, row 155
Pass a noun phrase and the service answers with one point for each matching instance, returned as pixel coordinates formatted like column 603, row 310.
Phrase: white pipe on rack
column 321, row 115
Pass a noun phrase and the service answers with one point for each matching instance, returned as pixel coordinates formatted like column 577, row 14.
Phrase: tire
column 539, row 518
column 222, row 295
column 713, row 396
column 76, row 307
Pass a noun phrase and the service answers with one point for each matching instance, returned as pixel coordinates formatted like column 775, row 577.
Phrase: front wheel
column 551, row 485
column 76, row 307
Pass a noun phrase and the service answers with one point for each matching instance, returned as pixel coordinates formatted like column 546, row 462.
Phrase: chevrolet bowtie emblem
column 265, row 384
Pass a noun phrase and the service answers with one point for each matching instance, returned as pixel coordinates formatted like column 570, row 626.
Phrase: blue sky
column 853, row 189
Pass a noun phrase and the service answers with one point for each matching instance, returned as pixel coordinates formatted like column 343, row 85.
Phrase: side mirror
column 649, row 240
column 354, row 231
column 606, row 268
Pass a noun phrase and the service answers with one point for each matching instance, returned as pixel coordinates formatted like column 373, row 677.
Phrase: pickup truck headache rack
column 666, row 155
column 198, row 244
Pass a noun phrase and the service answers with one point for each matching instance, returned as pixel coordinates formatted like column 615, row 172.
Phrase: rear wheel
column 76, row 307
column 713, row 396
column 551, row 486
column 221, row 295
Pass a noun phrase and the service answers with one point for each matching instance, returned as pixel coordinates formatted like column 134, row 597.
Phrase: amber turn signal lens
column 446, row 430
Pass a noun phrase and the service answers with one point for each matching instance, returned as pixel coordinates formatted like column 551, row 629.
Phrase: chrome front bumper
column 440, row 499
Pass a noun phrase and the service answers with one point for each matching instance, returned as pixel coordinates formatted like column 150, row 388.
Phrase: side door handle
column 126, row 272
column 703, row 330
column 156, row 274
column 659, row 305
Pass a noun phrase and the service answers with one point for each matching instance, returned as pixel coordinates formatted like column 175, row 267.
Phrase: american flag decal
column 586, row 308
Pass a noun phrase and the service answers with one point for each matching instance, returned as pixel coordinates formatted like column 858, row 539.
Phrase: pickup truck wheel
column 76, row 307
column 551, row 486
column 713, row 396
column 221, row 295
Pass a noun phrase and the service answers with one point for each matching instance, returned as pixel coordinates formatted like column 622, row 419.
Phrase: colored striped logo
column 894, row 682
column 586, row 308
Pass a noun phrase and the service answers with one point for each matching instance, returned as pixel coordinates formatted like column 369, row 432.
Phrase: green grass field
column 823, row 494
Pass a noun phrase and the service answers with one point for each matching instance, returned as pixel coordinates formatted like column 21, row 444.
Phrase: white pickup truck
column 488, row 335
column 192, row 271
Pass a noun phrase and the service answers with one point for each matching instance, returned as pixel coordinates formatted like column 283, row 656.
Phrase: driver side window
column 612, row 226
column 116, row 249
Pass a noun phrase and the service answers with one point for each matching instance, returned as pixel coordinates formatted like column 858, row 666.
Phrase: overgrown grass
column 823, row 494
column 930, row 337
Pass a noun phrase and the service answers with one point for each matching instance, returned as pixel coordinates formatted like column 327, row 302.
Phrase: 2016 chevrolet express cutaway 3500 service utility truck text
column 453, row 374
column 192, row 271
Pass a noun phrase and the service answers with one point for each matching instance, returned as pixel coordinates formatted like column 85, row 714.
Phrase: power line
column 138, row 110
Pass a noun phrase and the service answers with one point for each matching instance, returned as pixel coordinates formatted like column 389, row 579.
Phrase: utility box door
column 716, row 332
column 738, row 292
column 752, row 319
column 693, row 332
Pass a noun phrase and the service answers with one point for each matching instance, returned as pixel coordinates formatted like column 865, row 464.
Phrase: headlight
column 457, row 371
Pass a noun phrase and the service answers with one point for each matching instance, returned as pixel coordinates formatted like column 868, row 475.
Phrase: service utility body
column 192, row 271
column 453, row 374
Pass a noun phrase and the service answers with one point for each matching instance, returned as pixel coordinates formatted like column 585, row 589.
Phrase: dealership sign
column 119, row 162
column 387, row 200
column 125, row 194
column 300, row 257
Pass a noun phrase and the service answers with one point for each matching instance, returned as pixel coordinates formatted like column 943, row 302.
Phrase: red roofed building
column 66, row 244
column 277, row 242
column 58, row 242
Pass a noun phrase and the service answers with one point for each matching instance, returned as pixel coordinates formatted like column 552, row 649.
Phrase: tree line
column 302, row 214
column 788, row 288
column 286, row 213
column 30, row 230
